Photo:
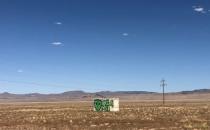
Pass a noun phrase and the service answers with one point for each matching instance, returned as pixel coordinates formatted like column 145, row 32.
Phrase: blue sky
column 53, row 46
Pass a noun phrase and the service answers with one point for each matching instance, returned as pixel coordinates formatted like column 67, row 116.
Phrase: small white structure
column 106, row 104
column 115, row 104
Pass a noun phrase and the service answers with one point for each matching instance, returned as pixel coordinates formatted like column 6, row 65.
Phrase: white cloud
column 57, row 43
column 19, row 70
column 199, row 9
column 58, row 23
column 125, row 34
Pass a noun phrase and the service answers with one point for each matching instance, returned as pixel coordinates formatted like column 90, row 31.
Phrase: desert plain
column 79, row 115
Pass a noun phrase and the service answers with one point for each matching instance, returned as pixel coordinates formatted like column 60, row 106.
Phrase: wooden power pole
column 163, row 84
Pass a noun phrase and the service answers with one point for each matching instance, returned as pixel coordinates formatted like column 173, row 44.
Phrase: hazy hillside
column 201, row 94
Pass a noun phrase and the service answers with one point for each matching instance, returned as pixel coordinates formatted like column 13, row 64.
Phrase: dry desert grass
column 80, row 115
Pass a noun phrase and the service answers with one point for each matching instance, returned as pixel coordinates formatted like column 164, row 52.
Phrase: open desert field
column 80, row 115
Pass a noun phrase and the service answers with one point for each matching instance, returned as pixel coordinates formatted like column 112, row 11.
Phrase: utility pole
column 163, row 84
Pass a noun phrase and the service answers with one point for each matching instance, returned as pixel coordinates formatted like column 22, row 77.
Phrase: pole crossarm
column 163, row 84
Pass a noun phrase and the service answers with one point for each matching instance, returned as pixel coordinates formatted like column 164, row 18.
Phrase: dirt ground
column 80, row 115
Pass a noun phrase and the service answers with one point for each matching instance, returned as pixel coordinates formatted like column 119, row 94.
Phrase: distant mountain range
column 199, row 94
column 196, row 91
